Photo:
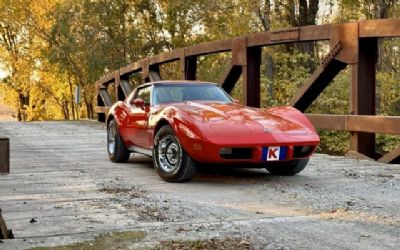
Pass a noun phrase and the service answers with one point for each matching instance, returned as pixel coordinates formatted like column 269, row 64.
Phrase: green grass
column 111, row 241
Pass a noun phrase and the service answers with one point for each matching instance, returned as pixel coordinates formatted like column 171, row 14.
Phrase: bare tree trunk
column 71, row 94
column 89, row 108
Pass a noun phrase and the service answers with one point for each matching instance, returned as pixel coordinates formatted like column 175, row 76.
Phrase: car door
column 137, row 120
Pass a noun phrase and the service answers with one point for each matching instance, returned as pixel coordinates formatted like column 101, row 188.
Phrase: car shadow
column 212, row 173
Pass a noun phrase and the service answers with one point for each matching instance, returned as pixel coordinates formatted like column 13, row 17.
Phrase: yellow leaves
column 39, row 10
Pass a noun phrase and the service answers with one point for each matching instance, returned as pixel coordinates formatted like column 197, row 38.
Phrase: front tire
column 171, row 161
column 115, row 146
column 287, row 168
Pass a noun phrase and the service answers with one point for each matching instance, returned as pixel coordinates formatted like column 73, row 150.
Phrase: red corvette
column 181, row 123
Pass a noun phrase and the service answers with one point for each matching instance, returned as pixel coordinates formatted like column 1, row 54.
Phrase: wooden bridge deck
column 62, row 188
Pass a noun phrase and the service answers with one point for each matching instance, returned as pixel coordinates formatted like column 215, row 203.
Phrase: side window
column 144, row 94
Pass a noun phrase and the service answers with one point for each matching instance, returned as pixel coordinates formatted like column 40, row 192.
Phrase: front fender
column 185, row 128
column 294, row 115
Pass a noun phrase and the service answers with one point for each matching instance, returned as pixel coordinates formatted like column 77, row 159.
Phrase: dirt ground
column 62, row 179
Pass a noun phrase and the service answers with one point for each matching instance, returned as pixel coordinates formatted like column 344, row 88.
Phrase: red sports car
column 181, row 123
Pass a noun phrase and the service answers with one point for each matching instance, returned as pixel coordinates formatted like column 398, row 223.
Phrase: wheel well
column 109, row 119
column 159, row 125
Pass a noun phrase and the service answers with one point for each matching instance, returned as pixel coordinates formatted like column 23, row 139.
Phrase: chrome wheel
column 111, row 139
column 169, row 154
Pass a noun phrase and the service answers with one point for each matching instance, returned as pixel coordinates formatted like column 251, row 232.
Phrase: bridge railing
column 351, row 44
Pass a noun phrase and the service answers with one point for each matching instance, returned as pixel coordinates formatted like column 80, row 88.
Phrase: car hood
column 232, row 119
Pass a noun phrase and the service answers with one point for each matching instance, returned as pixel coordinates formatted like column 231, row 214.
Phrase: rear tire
column 289, row 168
column 115, row 146
column 171, row 161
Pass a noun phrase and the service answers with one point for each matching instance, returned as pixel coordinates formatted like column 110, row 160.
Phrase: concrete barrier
column 4, row 155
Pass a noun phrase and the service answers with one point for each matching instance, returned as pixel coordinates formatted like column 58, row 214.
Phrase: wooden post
column 4, row 155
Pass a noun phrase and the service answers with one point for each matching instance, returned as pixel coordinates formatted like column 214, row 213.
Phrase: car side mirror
column 138, row 102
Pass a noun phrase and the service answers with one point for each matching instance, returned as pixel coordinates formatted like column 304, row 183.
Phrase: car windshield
column 166, row 93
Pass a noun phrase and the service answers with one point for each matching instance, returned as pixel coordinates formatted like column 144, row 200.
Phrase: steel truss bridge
column 351, row 44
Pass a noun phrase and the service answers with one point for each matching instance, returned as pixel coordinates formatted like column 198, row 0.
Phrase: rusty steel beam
column 154, row 73
column 208, row 48
column 251, row 77
column 347, row 35
column 131, row 68
column 230, row 78
column 320, row 79
column 289, row 35
column 125, row 86
column 167, row 57
column 391, row 157
column 380, row 28
column 101, row 109
column 109, row 78
column 357, row 123
column 4, row 155
column 105, row 97
column 370, row 28
column 189, row 67
column 305, row 34
column 363, row 89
